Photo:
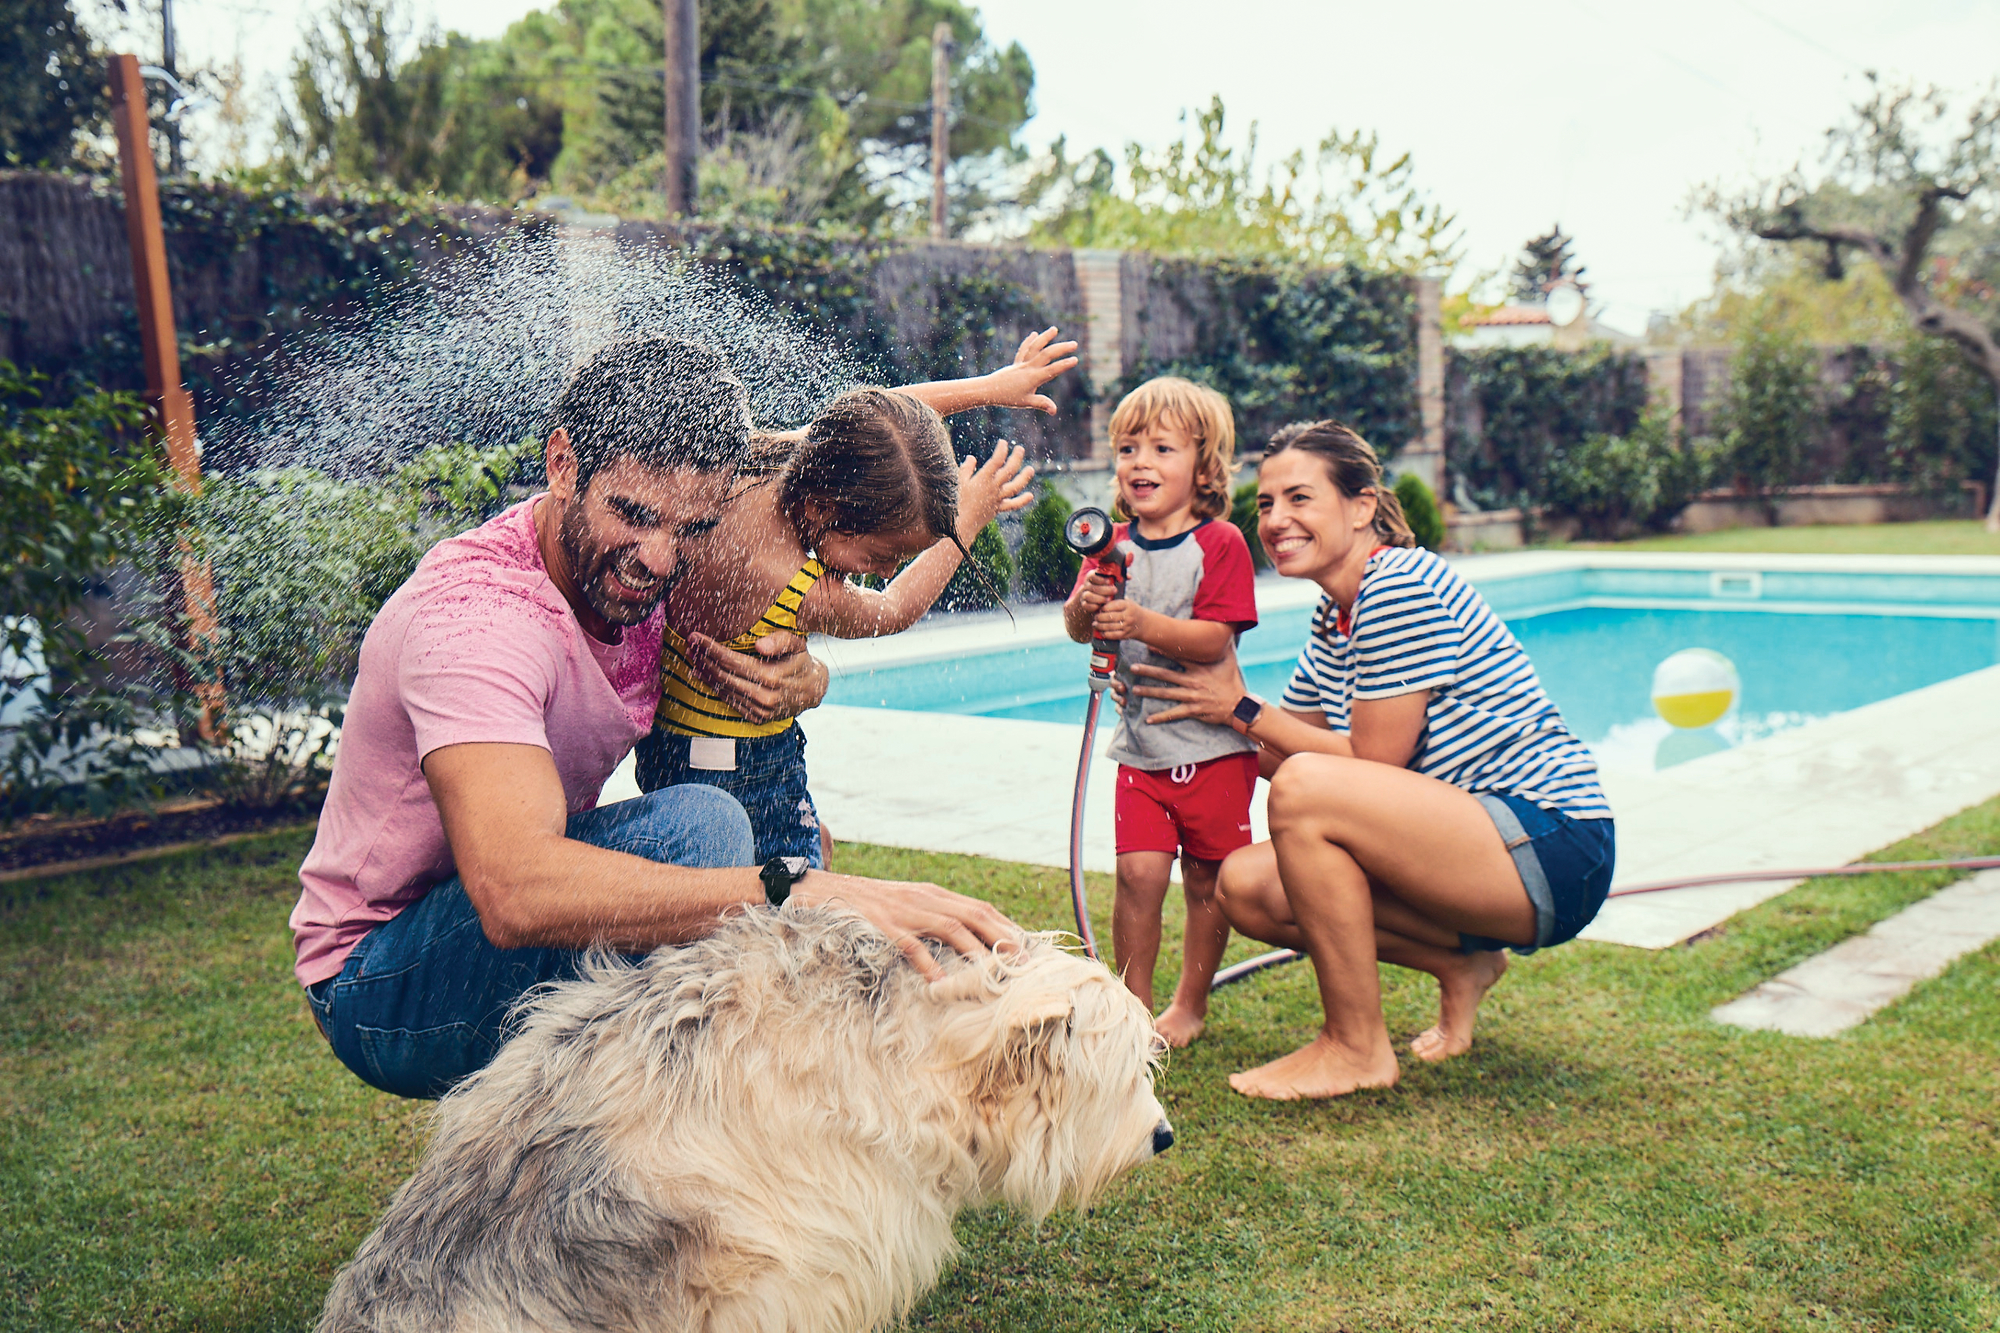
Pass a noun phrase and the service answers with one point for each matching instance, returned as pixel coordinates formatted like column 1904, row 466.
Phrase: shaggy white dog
column 768, row 1130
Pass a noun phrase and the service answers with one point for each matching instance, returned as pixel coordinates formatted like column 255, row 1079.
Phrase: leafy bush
column 1047, row 565
column 967, row 591
column 1513, row 412
column 1420, row 508
column 1772, row 414
column 1614, row 484
column 1941, row 417
column 1243, row 513
column 81, row 497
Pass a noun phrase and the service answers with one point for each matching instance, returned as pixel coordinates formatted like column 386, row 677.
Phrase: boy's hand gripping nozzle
column 1088, row 533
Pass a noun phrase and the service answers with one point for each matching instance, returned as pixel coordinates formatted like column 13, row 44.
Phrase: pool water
column 1596, row 661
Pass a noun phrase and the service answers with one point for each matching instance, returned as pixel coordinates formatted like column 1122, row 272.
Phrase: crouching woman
column 1428, row 807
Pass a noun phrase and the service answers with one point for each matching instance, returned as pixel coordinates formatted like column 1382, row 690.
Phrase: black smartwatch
column 779, row 874
column 1248, row 709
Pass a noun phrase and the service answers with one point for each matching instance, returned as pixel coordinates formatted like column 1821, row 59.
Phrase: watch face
column 795, row 866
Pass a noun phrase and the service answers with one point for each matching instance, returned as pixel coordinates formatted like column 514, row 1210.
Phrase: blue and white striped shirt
column 1416, row 625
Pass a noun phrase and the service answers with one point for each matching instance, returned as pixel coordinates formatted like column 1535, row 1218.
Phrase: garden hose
column 1279, row 957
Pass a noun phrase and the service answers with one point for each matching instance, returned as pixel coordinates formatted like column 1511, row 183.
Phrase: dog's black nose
column 1163, row 1137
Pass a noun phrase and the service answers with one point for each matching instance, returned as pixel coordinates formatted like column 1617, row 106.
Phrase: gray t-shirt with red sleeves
column 1204, row 573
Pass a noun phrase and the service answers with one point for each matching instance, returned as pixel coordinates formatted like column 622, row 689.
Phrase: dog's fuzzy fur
column 770, row 1129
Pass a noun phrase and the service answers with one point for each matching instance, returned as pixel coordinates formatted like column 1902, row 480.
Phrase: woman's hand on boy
column 997, row 486
column 1040, row 360
column 1205, row 691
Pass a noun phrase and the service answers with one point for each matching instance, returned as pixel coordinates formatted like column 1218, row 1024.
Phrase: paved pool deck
column 1822, row 794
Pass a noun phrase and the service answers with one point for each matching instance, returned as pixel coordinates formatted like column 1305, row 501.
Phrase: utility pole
column 174, row 163
column 942, row 47
column 683, row 105
column 173, row 410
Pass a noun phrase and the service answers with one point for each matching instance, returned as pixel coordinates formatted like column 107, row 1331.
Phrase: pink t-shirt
column 477, row 646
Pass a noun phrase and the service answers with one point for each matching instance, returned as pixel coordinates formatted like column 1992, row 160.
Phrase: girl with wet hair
column 1428, row 807
column 871, row 484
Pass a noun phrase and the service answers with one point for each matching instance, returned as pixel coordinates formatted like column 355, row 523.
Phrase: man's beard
column 592, row 569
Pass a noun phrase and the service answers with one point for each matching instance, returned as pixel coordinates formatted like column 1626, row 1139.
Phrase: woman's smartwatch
column 1248, row 709
column 779, row 874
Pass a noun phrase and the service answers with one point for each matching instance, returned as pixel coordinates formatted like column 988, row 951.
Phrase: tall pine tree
column 1547, row 260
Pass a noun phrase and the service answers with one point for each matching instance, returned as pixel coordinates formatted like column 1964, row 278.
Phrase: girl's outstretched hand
column 997, row 486
column 1040, row 360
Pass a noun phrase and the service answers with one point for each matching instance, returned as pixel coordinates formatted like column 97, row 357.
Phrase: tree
column 1772, row 413
column 376, row 103
column 1352, row 203
column 52, row 83
column 811, row 108
column 1918, row 193
column 1545, row 263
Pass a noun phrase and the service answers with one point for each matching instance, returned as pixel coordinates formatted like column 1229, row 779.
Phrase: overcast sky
column 1597, row 114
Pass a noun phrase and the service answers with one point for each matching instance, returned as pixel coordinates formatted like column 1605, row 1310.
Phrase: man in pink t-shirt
column 461, row 858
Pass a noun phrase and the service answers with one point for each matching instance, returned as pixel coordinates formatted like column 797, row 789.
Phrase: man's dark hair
column 668, row 402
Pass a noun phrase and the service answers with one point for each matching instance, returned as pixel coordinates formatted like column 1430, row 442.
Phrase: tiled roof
column 1513, row 314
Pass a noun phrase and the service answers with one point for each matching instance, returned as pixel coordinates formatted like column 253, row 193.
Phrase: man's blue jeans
column 424, row 999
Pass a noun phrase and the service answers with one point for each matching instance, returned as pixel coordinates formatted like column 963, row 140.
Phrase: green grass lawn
column 180, row 1151
column 1940, row 538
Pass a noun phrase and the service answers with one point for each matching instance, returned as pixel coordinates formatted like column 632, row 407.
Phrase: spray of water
column 385, row 431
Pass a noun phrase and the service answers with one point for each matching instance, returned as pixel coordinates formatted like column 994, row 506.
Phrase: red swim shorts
column 1200, row 809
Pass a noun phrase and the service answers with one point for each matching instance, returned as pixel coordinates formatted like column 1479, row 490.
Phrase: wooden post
column 173, row 410
column 683, row 40
column 941, row 49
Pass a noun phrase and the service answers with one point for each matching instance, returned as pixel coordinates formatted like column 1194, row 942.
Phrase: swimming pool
column 1806, row 643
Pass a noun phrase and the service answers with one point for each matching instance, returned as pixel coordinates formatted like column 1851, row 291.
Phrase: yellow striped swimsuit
column 689, row 708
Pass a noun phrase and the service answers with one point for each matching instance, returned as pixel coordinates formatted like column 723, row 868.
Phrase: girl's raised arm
column 847, row 611
column 1040, row 359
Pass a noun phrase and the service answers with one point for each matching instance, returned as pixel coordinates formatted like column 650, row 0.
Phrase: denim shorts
column 769, row 779
column 1565, row 866
column 425, row 999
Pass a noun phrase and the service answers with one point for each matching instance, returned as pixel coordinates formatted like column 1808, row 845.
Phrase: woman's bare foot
column 1319, row 1069
column 1459, row 994
column 1180, row 1025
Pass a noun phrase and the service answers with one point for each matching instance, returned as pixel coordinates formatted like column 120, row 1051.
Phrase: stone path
column 1832, row 992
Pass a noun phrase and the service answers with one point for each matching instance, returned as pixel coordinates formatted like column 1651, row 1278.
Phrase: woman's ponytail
column 1353, row 467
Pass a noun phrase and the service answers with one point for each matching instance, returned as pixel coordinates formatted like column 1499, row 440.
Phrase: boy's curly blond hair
column 1204, row 415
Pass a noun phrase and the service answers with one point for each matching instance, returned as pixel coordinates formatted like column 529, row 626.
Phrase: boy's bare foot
column 1318, row 1069
column 1459, row 994
column 1180, row 1025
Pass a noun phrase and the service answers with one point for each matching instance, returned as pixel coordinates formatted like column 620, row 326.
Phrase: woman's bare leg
column 1253, row 898
column 1135, row 918
column 1407, row 940
column 1341, row 828
column 1203, row 942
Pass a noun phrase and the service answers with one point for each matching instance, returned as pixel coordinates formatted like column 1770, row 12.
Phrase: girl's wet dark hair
column 668, row 402
column 1351, row 465
column 874, row 461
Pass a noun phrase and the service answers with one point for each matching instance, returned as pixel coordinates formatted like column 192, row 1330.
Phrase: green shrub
column 83, row 496
column 1772, row 414
column 1243, row 513
column 1615, row 484
column 1420, row 508
column 1047, row 565
column 1941, row 427
column 967, row 591
column 1513, row 412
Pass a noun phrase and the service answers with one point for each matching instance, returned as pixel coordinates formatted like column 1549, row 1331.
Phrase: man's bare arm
column 504, row 816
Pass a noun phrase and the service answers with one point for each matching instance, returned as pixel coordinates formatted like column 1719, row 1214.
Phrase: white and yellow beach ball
column 1695, row 687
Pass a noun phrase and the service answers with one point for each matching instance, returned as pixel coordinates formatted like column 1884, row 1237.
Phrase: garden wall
column 1285, row 342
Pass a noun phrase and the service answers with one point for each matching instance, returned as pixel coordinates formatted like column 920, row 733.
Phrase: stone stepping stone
column 1833, row 991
